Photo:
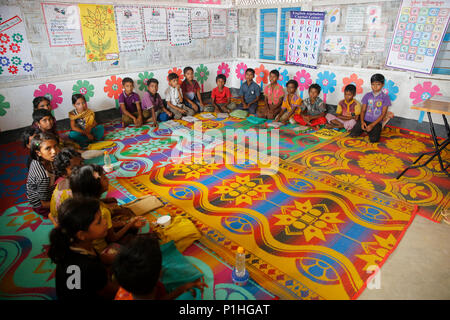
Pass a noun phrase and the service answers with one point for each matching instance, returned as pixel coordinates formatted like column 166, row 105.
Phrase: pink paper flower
column 50, row 92
column 423, row 92
column 224, row 69
column 354, row 80
column 304, row 79
column 240, row 71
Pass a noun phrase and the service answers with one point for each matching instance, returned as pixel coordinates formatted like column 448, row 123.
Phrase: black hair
column 172, row 76
column 152, row 80
column 315, row 86
column 38, row 100
column 27, row 133
column 62, row 160
column 187, row 69
column 138, row 265
column 292, row 81
column 75, row 214
column 250, row 70
column 77, row 96
column 377, row 77
column 38, row 114
column 275, row 72
column 37, row 141
column 127, row 79
column 350, row 88
column 83, row 182
column 221, row 76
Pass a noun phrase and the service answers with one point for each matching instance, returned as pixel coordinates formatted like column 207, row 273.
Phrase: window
column 274, row 24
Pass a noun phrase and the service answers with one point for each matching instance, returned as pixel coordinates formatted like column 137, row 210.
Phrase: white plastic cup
column 164, row 221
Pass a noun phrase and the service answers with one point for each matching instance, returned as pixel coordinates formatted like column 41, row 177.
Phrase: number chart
column 418, row 33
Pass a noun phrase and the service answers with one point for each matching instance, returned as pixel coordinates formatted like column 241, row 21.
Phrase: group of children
column 59, row 186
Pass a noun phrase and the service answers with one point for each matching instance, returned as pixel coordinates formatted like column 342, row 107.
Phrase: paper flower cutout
column 13, row 69
column 240, row 71
column 353, row 79
column 2, row 49
column 284, row 77
column 3, row 105
column 51, row 93
column 16, row 61
column 28, row 67
column 4, row 61
column 423, row 92
column 179, row 72
column 143, row 78
column 390, row 89
column 85, row 88
column 304, row 79
column 4, row 38
column 201, row 73
column 223, row 69
column 14, row 47
column 113, row 87
column 17, row 37
column 327, row 81
column 262, row 74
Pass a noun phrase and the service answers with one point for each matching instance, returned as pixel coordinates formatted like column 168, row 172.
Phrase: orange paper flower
column 179, row 72
column 357, row 82
column 113, row 87
column 262, row 74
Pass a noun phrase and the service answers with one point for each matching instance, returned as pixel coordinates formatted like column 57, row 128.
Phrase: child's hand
column 245, row 105
column 192, row 285
column 369, row 127
column 90, row 136
column 183, row 112
column 138, row 222
column 364, row 126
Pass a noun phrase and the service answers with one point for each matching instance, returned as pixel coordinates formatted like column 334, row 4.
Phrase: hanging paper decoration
column 304, row 80
column 129, row 28
column 85, row 88
column 327, row 81
column 240, row 71
column 218, row 23
column 201, row 74
column 353, row 79
column 179, row 23
column 113, row 88
column 224, row 69
column 262, row 76
column 423, row 92
column 179, row 72
column 51, row 92
column 155, row 23
column 3, row 105
column 200, row 23
column 63, row 24
column 143, row 78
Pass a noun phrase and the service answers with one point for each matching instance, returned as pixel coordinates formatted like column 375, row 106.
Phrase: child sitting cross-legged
column 138, row 267
column 347, row 111
column 151, row 100
column 44, row 121
column 313, row 109
column 174, row 99
column 273, row 97
column 291, row 104
column 191, row 92
column 221, row 96
column 130, row 105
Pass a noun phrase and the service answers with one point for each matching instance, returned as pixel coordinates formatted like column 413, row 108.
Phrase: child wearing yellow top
column 347, row 111
column 291, row 104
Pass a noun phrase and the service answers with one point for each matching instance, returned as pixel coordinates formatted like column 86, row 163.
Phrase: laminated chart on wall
column 418, row 34
column 155, row 23
column 99, row 32
column 200, row 23
column 179, row 23
column 218, row 23
column 336, row 44
column 15, row 55
column 63, row 24
column 354, row 21
column 332, row 18
column 304, row 38
column 376, row 38
column 233, row 25
column 129, row 28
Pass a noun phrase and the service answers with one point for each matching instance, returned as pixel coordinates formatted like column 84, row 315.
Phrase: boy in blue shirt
column 249, row 92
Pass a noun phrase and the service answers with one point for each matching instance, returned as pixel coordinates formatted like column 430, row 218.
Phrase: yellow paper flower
column 380, row 163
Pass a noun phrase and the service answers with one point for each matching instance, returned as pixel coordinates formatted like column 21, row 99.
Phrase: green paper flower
column 17, row 37
column 85, row 88
column 143, row 77
column 3, row 105
column 16, row 61
column 201, row 74
column 1, row 70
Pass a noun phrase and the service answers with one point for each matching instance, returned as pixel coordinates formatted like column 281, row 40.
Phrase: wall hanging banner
column 304, row 38
column 15, row 55
column 179, row 27
column 200, row 23
column 233, row 25
column 129, row 28
column 155, row 23
column 354, row 21
column 418, row 34
column 99, row 32
column 218, row 23
column 63, row 24
column 376, row 38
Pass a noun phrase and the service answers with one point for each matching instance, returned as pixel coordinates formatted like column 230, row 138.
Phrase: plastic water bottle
column 107, row 160
column 240, row 274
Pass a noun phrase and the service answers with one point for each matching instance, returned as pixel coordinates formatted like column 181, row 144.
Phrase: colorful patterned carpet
column 308, row 235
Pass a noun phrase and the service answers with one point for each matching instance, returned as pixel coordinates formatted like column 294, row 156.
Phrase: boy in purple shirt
column 374, row 109
column 130, row 105
column 152, row 102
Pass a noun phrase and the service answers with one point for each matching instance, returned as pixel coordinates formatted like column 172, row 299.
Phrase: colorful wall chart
column 304, row 38
column 336, row 44
column 129, row 28
column 15, row 55
column 418, row 33
column 155, row 23
column 218, row 23
column 233, row 25
column 99, row 32
column 63, row 24
column 332, row 18
column 200, row 23
column 179, row 26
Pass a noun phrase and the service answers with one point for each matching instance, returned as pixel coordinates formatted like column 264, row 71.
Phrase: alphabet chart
column 418, row 33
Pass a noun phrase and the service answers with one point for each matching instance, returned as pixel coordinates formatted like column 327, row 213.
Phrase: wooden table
column 439, row 105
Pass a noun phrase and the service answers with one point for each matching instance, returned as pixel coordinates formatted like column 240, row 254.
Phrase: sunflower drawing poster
column 99, row 32
column 15, row 54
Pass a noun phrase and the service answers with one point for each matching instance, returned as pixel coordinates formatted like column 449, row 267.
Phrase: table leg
column 436, row 143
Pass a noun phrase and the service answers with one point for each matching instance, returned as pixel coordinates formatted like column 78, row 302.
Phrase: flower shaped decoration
column 13, row 69
column 4, row 61
column 85, row 88
column 201, row 74
column 143, row 78
column 4, row 38
column 113, row 87
column 179, row 72
column 51, row 93
column 14, row 47
column 1, row 70
column 304, row 79
column 424, row 91
column 327, row 81
column 284, row 77
column 28, row 67
column 16, row 61
column 354, row 80
column 3, row 105
column 224, row 69
column 262, row 75
column 17, row 37
column 2, row 49
column 390, row 89
column 240, row 71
